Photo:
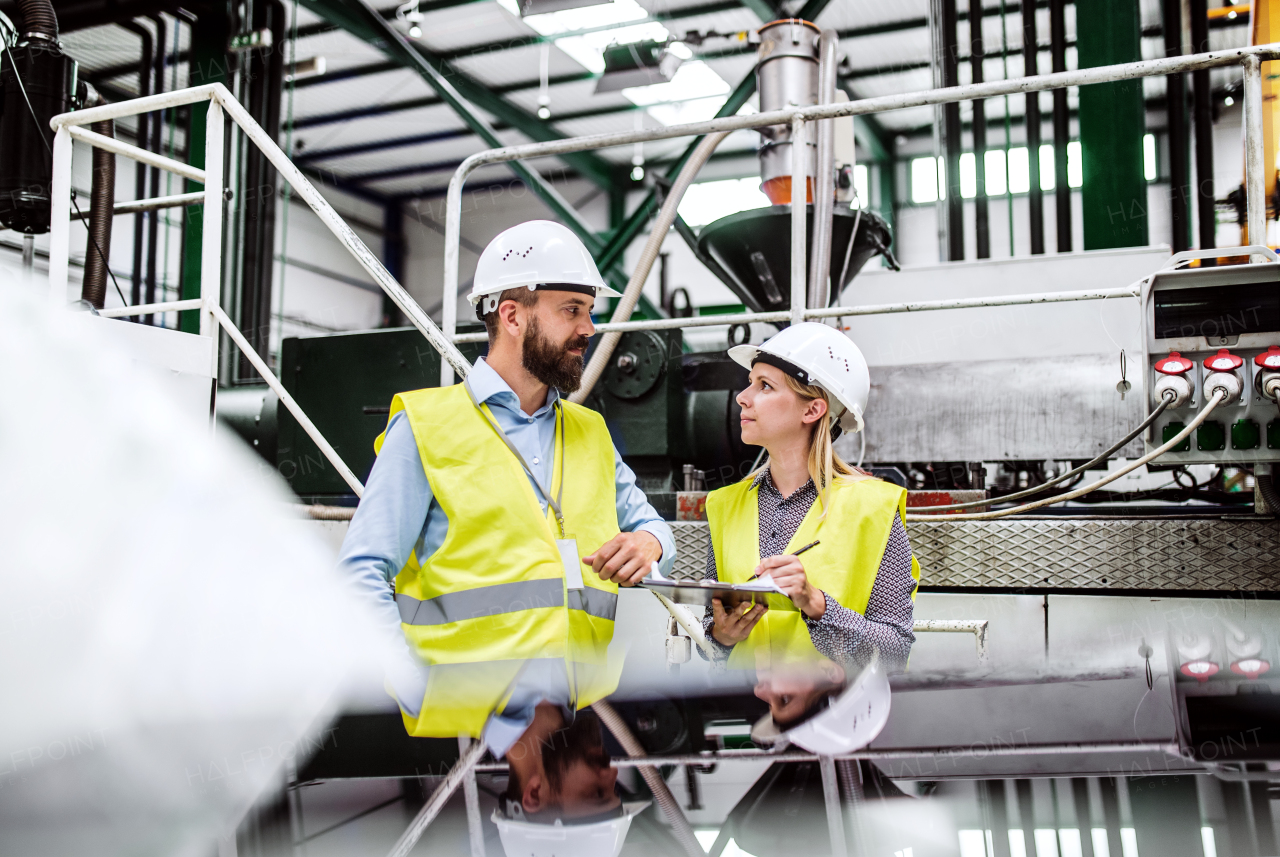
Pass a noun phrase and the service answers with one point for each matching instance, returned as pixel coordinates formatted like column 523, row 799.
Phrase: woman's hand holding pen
column 734, row 625
column 787, row 572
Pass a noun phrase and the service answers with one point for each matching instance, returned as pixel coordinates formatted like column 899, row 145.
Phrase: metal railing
column 68, row 127
column 1250, row 59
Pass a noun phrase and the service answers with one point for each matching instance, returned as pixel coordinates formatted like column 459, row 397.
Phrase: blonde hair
column 825, row 464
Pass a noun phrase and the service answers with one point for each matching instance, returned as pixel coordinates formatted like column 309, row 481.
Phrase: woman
column 851, row 592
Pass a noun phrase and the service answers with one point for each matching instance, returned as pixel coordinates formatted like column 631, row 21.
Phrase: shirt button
column 530, row 419
column 535, row 461
column 774, row 534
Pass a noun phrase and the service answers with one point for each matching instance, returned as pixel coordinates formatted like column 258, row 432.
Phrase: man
column 503, row 513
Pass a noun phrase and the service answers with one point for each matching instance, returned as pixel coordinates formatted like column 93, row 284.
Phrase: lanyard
column 554, row 503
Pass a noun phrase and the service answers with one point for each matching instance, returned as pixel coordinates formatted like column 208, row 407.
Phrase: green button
column 1211, row 437
column 1171, row 431
column 1273, row 434
column 1245, row 435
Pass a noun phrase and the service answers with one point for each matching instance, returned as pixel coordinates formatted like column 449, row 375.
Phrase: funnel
column 754, row 249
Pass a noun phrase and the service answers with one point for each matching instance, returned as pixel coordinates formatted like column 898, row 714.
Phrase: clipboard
column 700, row 592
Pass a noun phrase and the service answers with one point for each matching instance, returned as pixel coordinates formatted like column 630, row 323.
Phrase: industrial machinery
column 665, row 408
column 1215, row 328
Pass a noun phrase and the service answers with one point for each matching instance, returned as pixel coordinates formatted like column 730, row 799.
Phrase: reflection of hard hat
column 849, row 721
column 821, row 355
column 533, row 254
column 602, row 838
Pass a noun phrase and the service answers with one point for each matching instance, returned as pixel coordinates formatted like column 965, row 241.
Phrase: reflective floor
column 1081, row 726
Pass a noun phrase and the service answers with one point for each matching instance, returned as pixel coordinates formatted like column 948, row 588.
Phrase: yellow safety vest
column 494, row 594
column 854, row 534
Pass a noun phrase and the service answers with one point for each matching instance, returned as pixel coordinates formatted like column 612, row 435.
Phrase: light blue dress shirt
column 398, row 512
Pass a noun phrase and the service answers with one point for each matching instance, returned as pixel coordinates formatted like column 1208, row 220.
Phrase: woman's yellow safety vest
column 494, row 594
column 853, row 533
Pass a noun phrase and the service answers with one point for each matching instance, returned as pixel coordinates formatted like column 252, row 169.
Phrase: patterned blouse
column 842, row 634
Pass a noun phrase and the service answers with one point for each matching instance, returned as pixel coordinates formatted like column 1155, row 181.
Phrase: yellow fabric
column 497, row 535
column 854, row 534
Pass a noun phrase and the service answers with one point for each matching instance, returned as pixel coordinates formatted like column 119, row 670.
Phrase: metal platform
column 1234, row 554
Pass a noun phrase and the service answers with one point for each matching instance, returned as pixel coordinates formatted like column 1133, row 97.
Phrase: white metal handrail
column 1250, row 59
column 67, row 126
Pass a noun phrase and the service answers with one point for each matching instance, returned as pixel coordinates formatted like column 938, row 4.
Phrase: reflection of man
column 504, row 515
column 799, row 692
column 560, row 771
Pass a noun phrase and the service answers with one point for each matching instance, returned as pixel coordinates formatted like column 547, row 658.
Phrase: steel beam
column 433, row 100
column 464, row 95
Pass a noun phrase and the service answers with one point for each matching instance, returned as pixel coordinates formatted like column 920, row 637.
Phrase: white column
column 799, row 212
column 211, row 236
column 60, row 220
column 1254, row 168
column 449, row 292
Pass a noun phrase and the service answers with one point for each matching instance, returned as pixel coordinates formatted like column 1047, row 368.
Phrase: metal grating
column 1233, row 554
column 691, row 549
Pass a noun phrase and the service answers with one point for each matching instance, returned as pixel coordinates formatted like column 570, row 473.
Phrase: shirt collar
column 764, row 480
column 487, row 386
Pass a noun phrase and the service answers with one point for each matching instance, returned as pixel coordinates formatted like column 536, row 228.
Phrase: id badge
column 572, row 564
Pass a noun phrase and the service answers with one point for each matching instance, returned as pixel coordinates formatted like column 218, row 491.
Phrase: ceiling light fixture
column 410, row 18
column 545, row 7
column 638, row 64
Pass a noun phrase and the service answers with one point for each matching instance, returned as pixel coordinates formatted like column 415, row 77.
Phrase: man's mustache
column 578, row 342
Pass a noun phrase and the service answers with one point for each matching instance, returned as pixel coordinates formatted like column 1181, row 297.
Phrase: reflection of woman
column 853, row 591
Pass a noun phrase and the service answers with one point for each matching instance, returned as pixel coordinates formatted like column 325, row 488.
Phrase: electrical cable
column 39, row 133
column 1265, row 485
column 1218, row 395
column 1077, row 471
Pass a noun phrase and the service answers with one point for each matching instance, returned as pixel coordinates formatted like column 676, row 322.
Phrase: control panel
column 1213, row 329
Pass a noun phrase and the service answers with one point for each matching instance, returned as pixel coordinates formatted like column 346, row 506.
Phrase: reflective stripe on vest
column 854, row 533
column 503, row 598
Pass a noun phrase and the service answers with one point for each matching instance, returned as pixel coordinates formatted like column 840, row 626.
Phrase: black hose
column 38, row 19
column 97, row 251
column 1266, row 486
column 1164, row 403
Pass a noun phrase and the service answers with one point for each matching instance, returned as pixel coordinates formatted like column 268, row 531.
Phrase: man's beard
column 550, row 363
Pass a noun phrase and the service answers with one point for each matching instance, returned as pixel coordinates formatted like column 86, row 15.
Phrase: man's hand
column 625, row 558
column 733, row 626
column 788, row 572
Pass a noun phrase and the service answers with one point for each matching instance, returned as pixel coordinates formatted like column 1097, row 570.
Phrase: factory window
column 1206, row 839
column 707, row 201
column 993, row 163
column 1149, row 157
column 1128, row 842
column 1048, row 180
column 861, row 184
column 926, row 179
column 968, row 176
column 1075, row 167
column 1019, row 175
column 1004, row 172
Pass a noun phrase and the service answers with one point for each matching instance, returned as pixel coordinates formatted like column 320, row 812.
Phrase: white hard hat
column 821, row 355
column 850, row 722
column 533, row 254
column 604, row 838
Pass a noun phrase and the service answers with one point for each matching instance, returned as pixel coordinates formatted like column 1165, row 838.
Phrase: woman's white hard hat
column 605, row 838
column 532, row 254
column 827, row 358
column 851, row 721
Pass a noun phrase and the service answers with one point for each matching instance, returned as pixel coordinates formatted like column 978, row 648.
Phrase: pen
column 812, row 544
